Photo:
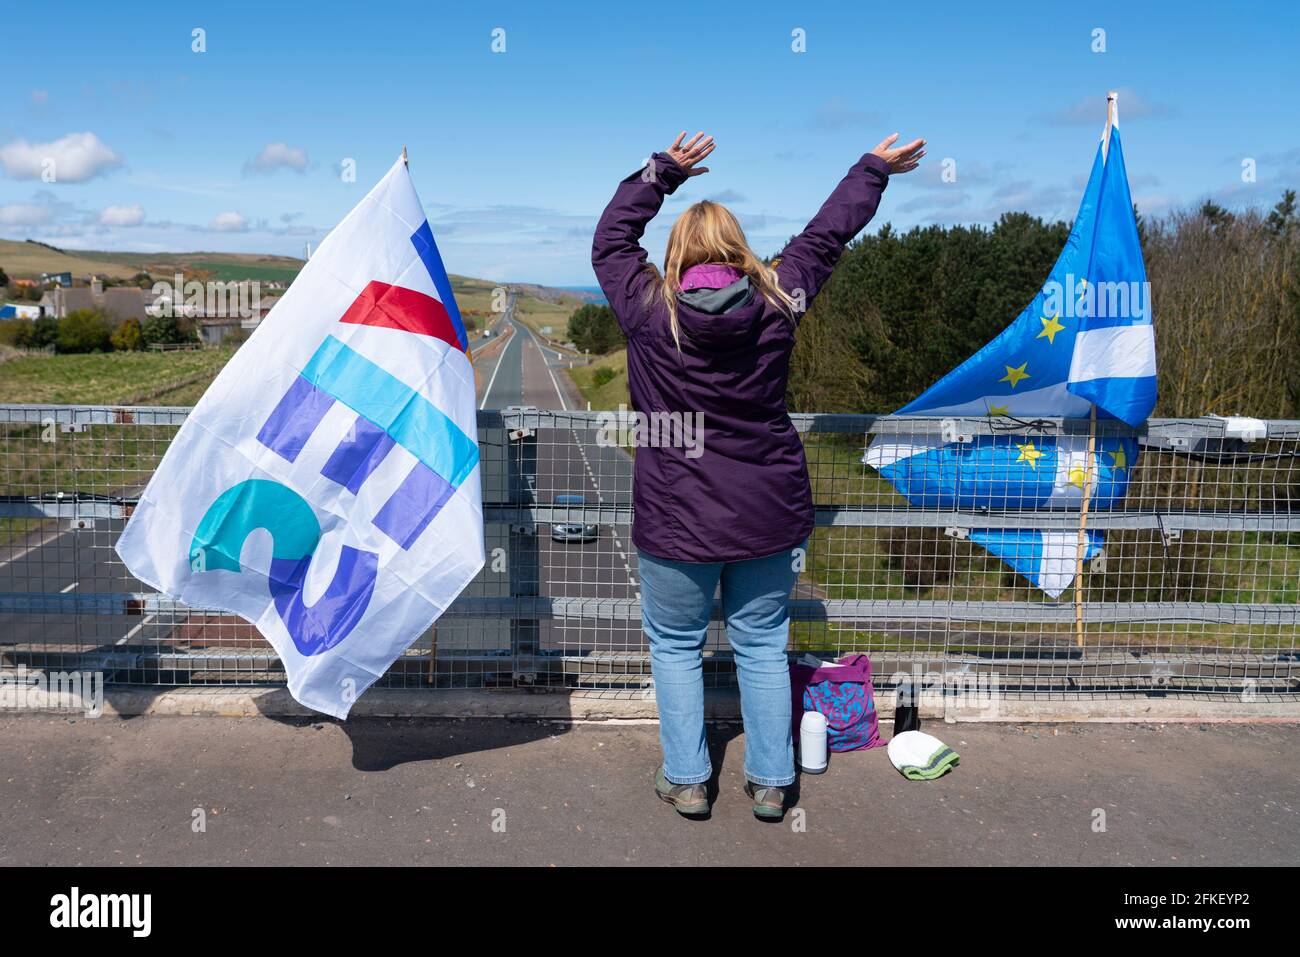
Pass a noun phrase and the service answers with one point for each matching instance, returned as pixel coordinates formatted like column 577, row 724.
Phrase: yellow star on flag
column 1078, row 475
column 1118, row 459
column 1014, row 375
column 1050, row 328
column 999, row 410
column 1029, row 454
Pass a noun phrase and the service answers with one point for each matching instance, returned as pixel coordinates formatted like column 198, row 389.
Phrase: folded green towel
column 941, row 762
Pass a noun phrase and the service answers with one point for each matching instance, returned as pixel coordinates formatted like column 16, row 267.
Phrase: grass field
column 604, row 382
column 109, row 378
column 260, row 269
column 538, row 314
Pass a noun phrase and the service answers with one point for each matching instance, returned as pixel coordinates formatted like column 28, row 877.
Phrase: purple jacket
column 743, row 491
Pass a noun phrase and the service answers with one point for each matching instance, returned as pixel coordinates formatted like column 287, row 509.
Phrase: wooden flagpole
column 1112, row 115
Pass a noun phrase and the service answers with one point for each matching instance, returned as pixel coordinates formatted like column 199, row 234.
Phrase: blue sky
column 515, row 153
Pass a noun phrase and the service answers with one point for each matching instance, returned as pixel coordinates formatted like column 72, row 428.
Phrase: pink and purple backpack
column 844, row 694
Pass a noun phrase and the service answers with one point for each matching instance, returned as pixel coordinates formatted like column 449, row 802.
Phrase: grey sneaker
column 769, row 802
column 691, row 800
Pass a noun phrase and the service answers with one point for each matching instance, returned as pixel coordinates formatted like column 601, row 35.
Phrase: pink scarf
column 710, row 276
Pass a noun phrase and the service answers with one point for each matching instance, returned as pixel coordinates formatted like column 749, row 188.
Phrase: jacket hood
column 720, row 318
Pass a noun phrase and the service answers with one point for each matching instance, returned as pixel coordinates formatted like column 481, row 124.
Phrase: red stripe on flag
column 396, row 307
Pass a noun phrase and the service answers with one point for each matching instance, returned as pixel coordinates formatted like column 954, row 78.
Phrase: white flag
column 326, row 487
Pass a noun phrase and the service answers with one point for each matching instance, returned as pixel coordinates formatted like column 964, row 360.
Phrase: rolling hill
column 27, row 260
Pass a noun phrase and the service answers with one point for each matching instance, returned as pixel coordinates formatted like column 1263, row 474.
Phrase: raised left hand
column 687, row 156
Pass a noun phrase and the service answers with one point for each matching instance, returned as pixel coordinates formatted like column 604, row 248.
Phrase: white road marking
column 497, row 368
column 35, row 545
column 127, row 637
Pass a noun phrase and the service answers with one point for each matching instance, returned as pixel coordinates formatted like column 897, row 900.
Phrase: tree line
column 94, row 330
column 903, row 308
column 594, row 328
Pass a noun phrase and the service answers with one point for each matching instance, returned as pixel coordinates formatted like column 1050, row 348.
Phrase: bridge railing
column 1191, row 583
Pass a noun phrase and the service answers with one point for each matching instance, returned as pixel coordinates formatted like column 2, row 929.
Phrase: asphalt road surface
column 569, row 461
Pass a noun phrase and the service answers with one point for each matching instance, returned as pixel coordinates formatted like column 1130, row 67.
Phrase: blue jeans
column 676, row 605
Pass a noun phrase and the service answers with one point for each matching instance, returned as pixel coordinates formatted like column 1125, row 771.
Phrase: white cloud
column 229, row 222
column 75, row 158
column 276, row 155
column 121, row 216
column 26, row 214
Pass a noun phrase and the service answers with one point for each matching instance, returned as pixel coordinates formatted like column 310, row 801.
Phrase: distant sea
column 592, row 290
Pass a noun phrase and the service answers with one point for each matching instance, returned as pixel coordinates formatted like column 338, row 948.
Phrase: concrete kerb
column 720, row 706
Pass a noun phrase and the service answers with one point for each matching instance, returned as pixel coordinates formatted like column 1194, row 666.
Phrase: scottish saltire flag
column 1085, row 339
column 326, row 486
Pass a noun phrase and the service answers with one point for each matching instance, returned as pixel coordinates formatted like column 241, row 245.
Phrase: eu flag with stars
column 1084, row 341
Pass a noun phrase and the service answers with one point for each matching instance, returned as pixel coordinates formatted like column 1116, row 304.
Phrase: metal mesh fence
column 1196, row 589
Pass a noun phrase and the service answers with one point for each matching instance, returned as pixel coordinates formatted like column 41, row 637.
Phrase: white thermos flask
column 812, row 742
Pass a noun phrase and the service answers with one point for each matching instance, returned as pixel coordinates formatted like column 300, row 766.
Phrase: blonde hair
column 708, row 233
